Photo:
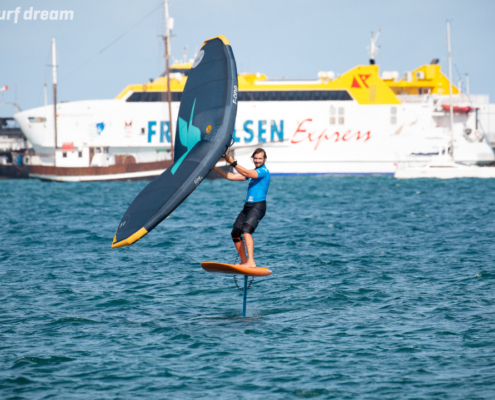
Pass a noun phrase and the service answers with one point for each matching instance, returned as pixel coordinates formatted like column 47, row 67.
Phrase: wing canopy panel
column 204, row 131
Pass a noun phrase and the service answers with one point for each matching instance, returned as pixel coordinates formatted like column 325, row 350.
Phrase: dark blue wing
column 204, row 130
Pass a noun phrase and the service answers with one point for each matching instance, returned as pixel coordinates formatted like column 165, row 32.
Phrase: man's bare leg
column 240, row 249
column 250, row 249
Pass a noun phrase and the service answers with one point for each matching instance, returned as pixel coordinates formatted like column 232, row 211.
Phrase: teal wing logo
column 189, row 135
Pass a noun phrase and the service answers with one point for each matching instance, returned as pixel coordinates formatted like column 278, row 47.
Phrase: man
column 255, row 206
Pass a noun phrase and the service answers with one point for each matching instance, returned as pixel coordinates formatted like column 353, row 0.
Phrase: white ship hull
column 300, row 137
column 144, row 175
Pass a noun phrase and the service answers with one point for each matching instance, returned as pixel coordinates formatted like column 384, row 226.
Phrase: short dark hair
column 259, row 150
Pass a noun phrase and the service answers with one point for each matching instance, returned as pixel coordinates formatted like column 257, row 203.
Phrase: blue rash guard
column 258, row 188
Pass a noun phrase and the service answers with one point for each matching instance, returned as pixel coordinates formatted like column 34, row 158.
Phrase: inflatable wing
column 204, row 132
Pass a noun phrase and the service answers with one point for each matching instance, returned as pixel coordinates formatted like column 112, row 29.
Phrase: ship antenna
column 169, row 22
column 373, row 49
column 450, row 89
column 54, row 76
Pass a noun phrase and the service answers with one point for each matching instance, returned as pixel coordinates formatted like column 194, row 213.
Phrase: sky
column 110, row 44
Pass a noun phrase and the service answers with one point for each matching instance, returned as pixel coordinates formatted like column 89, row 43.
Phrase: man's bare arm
column 229, row 175
column 248, row 173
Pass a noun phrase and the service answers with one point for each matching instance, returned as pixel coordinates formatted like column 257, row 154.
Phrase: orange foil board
column 221, row 268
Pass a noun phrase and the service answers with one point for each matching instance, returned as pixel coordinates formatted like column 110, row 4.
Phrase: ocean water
column 381, row 289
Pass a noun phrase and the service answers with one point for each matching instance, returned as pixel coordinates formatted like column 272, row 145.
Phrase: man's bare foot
column 248, row 264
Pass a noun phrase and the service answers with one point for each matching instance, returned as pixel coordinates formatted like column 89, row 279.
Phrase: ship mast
column 54, row 71
column 450, row 90
column 166, row 38
column 373, row 49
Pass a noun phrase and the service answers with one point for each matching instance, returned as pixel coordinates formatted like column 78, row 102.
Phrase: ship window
column 343, row 95
column 37, row 119
column 247, row 96
column 333, row 111
column 79, row 154
column 341, row 120
column 64, row 154
column 138, row 97
column 184, row 71
column 151, row 96
column 135, row 97
column 275, row 95
column 283, row 95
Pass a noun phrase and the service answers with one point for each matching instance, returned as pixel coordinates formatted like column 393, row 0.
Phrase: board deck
column 222, row 268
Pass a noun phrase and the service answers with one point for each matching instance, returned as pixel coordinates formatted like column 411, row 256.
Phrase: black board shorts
column 251, row 214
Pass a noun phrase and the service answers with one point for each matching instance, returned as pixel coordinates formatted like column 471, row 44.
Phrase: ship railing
column 413, row 98
column 476, row 100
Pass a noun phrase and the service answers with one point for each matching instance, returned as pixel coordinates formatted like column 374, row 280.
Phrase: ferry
column 363, row 121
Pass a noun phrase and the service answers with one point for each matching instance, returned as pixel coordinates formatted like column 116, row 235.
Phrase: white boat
column 362, row 121
column 444, row 169
column 444, row 165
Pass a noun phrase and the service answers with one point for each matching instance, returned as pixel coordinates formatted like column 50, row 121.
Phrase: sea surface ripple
column 381, row 289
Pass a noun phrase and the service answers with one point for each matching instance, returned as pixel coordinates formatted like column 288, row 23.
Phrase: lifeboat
column 458, row 109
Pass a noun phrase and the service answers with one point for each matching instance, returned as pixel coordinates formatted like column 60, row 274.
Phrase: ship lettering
column 301, row 134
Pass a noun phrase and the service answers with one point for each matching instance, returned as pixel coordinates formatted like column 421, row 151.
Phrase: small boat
column 444, row 169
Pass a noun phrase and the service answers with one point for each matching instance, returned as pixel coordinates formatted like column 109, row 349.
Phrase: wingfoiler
column 204, row 132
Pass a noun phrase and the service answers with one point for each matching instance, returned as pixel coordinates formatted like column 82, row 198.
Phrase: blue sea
column 381, row 289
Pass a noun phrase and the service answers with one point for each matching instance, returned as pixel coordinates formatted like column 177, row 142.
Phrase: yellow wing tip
column 221, row 37
column 130, row 240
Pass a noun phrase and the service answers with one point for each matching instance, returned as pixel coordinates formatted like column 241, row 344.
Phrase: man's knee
column 249, row 229
column 236, row 235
